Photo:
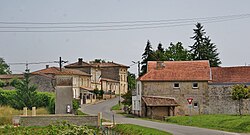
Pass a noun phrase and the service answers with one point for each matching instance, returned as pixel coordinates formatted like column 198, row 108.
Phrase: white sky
column 231, row 37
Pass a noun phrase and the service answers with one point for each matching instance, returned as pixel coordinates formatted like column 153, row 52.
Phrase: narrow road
column 105, row 106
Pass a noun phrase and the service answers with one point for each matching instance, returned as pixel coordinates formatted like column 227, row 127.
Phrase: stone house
column 47, row 79
column 114, row 72
column 94, row 71
column 103, row 74
column 175, row 80
column 210, row 88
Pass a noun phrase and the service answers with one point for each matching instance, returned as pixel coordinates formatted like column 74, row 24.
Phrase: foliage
column 96, row 91
column 15, row 82
column 43, row 99
column 176, row 52
column 116, row 107
column 127, row 98
column 101, row 92
column 146, row 56
column 232, row 123
column 240, row 92
column 159, row 53
column 79, row 112
column 53, row 129
column 51, row 105
column 76, row 104
column 203, row 49
column 4, row 68
column 2, row 83
column 131, row 81
column 26, row 94
column 130, row 129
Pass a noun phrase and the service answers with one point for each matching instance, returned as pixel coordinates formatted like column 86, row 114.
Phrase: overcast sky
column 122, row 46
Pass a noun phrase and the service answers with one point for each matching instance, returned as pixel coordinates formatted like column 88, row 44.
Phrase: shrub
column 75, row 104
column 2, row 83
column 51, row 105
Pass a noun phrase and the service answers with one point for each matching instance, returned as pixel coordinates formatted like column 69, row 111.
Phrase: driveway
column 105, row 106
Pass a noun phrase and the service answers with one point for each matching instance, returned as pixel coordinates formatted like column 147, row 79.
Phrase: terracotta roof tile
column 108, row 64
column 177, row 71
column 159, row 101
column 56, row 71
column 239, row 74
column 10, row 76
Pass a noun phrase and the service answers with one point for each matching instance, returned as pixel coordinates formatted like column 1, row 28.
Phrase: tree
column 4, row 68
column 131, row 81
column 240, row 92
column 159, row 53
column 146, row 56
column 26, row 93
column 203, row 49
column 176, row 52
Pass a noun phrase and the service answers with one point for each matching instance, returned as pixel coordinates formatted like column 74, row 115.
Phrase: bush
column 76, row 104
column 2, row 83
column 43, row 99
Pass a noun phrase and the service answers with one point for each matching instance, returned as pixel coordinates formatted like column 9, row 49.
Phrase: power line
column 119, row 22
column 127, row 26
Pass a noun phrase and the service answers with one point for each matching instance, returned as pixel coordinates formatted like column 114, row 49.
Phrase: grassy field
column 130, row 129
column 6, row 114
column 230, row 123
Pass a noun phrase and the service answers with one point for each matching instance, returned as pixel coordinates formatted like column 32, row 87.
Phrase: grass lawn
column 117, row 107
column 231, row 123
column 131, row 129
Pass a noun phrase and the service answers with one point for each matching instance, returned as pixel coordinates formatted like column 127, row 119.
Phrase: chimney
column 160, row 65
column 79, row 61
column 47, row 66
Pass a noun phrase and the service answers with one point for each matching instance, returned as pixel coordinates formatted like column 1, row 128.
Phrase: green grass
column 79, row 112
column 130, row 129
column 117, row 107
column 232, row 123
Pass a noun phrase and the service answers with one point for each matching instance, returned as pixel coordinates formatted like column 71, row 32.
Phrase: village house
column 7, row 78
column 107, row 76
column 47, row 79
column 114, row 74
column 165, row 88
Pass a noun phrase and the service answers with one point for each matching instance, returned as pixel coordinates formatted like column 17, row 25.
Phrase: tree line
column 202, row 49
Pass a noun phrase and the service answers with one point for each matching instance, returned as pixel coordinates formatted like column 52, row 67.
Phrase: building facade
column 208, row 87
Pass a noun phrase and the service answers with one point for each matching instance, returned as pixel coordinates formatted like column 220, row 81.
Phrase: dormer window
column 176, row 85
column 195, row 85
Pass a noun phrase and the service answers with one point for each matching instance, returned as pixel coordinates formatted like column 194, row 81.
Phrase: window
column 196, row 105
column 195, row 85
column 176, row 85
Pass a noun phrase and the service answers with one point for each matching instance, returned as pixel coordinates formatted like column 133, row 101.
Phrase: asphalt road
column 105, row 106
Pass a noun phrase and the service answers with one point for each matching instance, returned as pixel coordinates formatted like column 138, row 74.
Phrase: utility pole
column 61, row 62
column 139, row 66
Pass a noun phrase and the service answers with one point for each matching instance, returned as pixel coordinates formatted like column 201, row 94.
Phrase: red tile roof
column 159, row 101
column 239, row 74
column 10, row 76
column 177, row 71
column 56, row 71
column 108, row 64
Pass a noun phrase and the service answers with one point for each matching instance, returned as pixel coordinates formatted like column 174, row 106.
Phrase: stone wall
column 220, row 101
column 44, row 84
column 50, row 119
column 181, row 94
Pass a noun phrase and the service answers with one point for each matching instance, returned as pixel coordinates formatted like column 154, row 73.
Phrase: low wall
column 50, row 119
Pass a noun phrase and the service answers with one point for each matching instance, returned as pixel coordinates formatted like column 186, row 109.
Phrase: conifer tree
column 203, row 49
column 159, row 53
column 146, row 56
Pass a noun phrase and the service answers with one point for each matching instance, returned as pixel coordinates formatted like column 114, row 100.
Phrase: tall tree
column 240, row 92
column 203, row 49
column 146, row 56
column 176, row 52
column 26, row 93
column 4, row 68
column 159, row 53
